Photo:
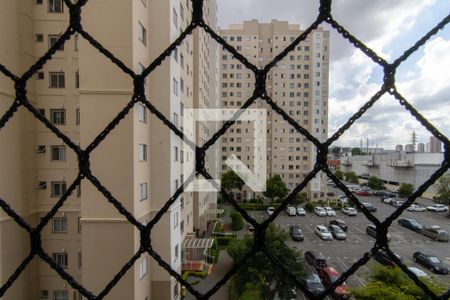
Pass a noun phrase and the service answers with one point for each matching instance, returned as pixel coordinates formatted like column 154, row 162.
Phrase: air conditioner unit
column 41, row 149
column 42, row 185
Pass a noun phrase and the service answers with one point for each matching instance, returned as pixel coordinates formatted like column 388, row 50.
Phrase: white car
column 301, row 211
column 320, row 211
column 437, row 207
column 323, row 233
column 418, row 272
column 270, row 210
column 349, row 211
column 330, row 212
column 416, row 207
column 388, row 200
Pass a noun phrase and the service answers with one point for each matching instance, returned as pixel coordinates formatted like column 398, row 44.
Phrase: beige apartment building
column 140, row 162
column 298, row 84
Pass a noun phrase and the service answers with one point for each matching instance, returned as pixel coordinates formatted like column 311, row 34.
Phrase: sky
column 389, row 28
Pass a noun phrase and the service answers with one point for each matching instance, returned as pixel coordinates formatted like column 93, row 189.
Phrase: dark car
column 316, row 259
column 386, row 194
column 369, row 206
column 329, row 276
column 296, row 233
column 337, row 232
column 372, row 231
column 383, row 258
column 410, row 224
column 339, row 223
column 362, row 193
column 312, row 281
column 431, row 262
column 436, row 233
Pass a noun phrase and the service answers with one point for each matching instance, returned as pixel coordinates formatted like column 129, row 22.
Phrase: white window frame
column 58, row 116
column 59, row 225
column 143, row 268
column 58, row 153
column 142, row 152
column 58, row 188
column 56, row 80
column 175, row 87
column 175, row 17
column 52, row 40
column 142, row 112
column 60, row 295
column 61, row 259
column 142, row 33
column 143, row 191
column 175, row 153
column 55, row 6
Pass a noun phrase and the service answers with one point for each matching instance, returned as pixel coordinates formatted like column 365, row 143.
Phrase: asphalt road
column 342, row 254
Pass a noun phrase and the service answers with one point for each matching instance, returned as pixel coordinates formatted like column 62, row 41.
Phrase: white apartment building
column 298, row 84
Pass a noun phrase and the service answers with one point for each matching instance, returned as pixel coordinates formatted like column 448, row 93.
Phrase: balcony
column 402, row 164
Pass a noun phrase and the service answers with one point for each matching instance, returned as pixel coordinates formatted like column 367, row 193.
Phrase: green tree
column 356, row 151
column 339, row 174
column 351, row 177
column 275, row 188
column 375, row 183
column 301, row 198
column 259, row 272
column 405, row 190
column 231, row 181
column 237, row 221
column 336, row 150
column 443, row 193
column 393, row 284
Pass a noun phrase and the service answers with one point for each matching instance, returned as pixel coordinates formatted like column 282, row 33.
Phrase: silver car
column 349, row 211
column 320, row 211
column 323, row 233
column 436, row 233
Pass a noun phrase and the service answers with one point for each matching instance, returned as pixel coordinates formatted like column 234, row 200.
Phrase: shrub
column 237, row 221
column 309, row 207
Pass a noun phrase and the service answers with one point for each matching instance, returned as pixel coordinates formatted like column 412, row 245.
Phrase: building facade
column 298, row 85
column 80, row 91
column 435, row 145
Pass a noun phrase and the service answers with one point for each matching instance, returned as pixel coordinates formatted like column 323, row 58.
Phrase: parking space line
column 309, row 228
column 354, row 276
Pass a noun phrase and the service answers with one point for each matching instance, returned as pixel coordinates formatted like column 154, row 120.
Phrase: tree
column 301, row 198
column 392, row 284
column 275, row 188
column 231, row 181
column 237, row 221
column 356, row 151
column 375, row 183
column 443, row 193
column 259, row 272
column 336, row 150
column 351, row 177
column 339, row 174
column 405, row 190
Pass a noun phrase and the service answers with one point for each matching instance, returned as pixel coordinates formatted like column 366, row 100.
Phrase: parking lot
column 342, row 254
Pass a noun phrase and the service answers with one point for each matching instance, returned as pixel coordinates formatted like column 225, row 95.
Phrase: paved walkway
column 219, row 270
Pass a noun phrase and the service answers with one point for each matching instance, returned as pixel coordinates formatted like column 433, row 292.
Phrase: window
column 44, row 294
column 59, row 225
column 175, row 86
column 52, row 40
column 143, row 191
column 60, row 258
column 58, row 116
column 142, row 152
column 55, row 6
column 175, row 219
column 77, row 79
column 77, row 116
column 57, row 80
column 142, row 34
column 40, row 75
column 80, row 260
column 58, row 153
column 79, row 224
column 175, row 153
column 175, row 17
column 39, row 38
column 143, row 268
column 58, row 188
column 75, row 38
column 176, row 252
column 175, row 119
column 142, row 112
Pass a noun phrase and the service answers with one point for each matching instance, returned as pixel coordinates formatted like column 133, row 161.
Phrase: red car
column 329, row 275
column 362, row 193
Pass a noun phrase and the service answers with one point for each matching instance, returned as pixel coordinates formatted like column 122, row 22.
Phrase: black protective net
column 259, row 94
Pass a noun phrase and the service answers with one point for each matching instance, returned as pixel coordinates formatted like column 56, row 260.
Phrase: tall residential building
column 435, row 145
column 399, row 148
column 420, row 147
column 409, row 148
column 298, row 85
column 140, row 162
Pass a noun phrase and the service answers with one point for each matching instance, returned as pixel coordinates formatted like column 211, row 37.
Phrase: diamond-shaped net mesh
column 197, row 22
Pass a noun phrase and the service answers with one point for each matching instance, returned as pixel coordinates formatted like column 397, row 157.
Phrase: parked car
column 330, row 212
column 316, row 259
column 320, row 211
column 416, row 207
column 384, row 194
column 437, row 207
column 387, row 200
column 383, row 258
column 410, row 224
column 431, row 262
column 337, row 232
column 331, row 194
column 369, row 206
column 339, row 223
column 418, row 272
column 329, row 276
column 270, row 210
column 362, row 193
column 397, row 203
column 372, row 231
column 296, row 233
column 323, row 233
column 349, row 211
column 436, row 233
column 291, row 211
column 312, row 281
column 301, row 211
